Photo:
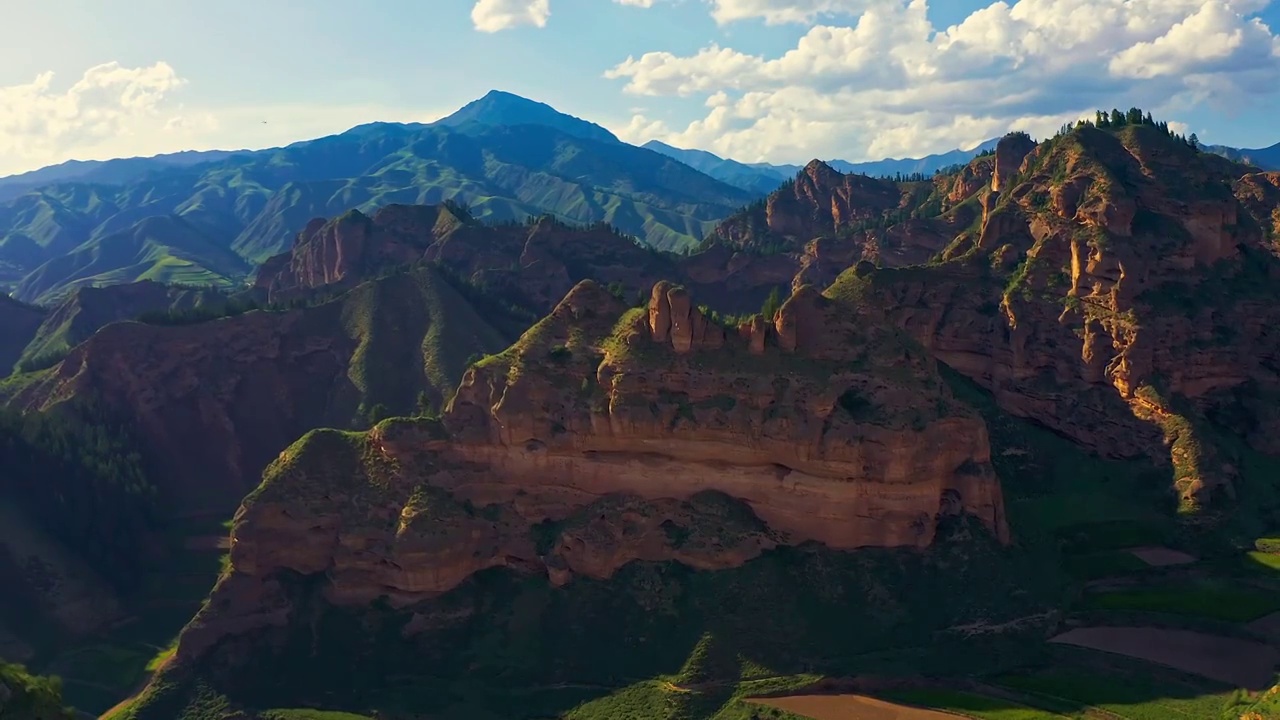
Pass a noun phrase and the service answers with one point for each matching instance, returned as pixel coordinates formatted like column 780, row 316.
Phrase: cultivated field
column 1241, row 663
column 850, row 707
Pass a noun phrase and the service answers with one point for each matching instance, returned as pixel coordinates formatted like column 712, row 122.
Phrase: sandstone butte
column 607, row 435
column 1117, row 287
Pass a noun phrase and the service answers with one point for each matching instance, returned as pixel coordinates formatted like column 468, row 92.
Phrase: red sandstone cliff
column 621, row 435
column 1117, row 290
column 528, row 265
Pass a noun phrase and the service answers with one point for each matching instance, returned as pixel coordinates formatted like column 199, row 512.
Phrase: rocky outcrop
column 820, row 201
column 607, row 435
column 1010, row 152
column 1129, row 302
column 1259, row 193
column 346, row 250
column 530, row 265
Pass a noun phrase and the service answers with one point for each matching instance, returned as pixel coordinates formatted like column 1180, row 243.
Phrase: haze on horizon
column 780, row 81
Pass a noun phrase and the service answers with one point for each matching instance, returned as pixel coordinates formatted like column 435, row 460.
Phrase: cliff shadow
column 512, row 645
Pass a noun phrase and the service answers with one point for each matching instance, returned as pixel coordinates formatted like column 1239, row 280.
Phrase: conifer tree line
column 1116, row 119
column 80, row 475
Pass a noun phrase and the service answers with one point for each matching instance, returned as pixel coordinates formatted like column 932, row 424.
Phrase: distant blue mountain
column 1267, row 158
column 499, row 108
column 757, row 179
column 765, row 177
column 109, row 172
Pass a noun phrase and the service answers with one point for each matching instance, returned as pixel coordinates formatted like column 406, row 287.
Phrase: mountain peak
column 499, row 107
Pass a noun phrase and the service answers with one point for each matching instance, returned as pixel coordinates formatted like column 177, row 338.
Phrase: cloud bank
column 495, row 15
column 37, row 121
column 890, row 83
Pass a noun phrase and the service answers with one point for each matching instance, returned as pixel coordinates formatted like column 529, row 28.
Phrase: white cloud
column 893, row 84
column 115, row 111
column 494, row 15
column 636, row 3
column 777, row 12
column 106, row 102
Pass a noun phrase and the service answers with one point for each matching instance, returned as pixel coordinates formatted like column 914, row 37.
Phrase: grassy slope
column 414, row 332
column 259, row 201
column 82, row 312
column 164, row 249
column 18, row 325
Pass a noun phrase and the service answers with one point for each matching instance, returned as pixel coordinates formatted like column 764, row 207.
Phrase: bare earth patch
column 1161, row 556
column 208, row 542
column 849, row 707
column 1268, row 625
column 1242, row 663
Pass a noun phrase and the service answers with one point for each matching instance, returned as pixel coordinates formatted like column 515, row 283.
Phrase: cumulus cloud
column 890, row 83
column 107, row 101
column 116, row 111
column 777, row 12
column 494, row 15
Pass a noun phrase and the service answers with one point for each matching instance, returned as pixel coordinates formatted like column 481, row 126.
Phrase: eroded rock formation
column 1117, row 292
column 607, row 435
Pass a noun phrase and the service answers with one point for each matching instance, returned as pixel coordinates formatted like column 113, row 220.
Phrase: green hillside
column 83, row 311
column 24, row 696
column 254, row 204
column 18, row 325
column 415, row 334
column 164, row 248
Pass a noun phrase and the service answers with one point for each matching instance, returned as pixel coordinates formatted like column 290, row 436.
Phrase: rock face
column 825, row 222
column 1010, row 152
column 341, row 252
column 529, row 265
column 1120, row 293
column 213, row 402
column 608, row 435
column 820, row 201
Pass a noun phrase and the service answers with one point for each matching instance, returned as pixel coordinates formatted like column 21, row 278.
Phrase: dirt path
column 849, row 707
column 1242, row 663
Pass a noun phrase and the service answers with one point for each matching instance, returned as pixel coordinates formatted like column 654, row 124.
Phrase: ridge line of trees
column 1116, row 119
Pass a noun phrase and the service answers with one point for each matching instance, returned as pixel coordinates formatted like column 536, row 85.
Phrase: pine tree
column 771, row 305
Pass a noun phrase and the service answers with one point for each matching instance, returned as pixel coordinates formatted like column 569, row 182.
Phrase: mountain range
column 208, row 218
column 210, row 222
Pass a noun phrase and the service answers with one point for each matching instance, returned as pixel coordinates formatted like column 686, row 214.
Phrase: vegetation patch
column 1208, row 599
column 1083, row 683
column 30, row 697
column 968, row 704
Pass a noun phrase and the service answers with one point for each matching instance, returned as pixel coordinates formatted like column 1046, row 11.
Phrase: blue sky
column 777, row 80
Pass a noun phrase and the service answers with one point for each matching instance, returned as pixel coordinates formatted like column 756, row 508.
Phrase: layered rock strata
column 607, row 435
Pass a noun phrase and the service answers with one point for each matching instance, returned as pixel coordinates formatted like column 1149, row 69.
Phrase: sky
column 779, row 81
